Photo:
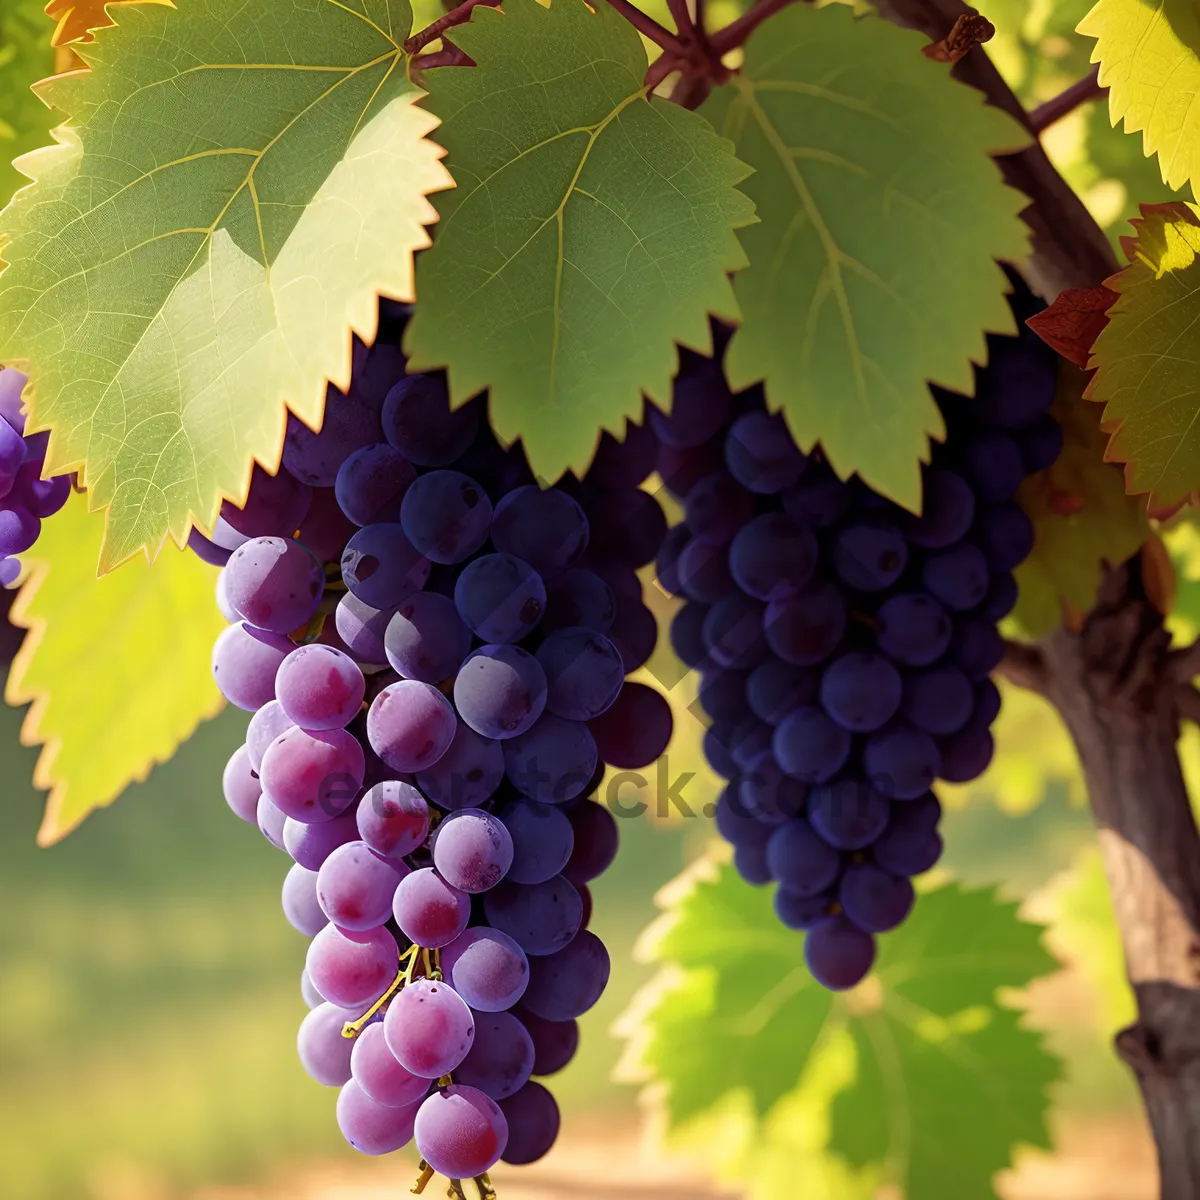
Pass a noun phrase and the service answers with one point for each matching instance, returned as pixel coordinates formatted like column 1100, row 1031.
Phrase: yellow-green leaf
column 117, row 669
column 186, row 265
column 592, row 229
column 25, row 57
column 1147, row 358
column 872, row 270
column 76, row 19
column 1081, row 513
column 1149, row 56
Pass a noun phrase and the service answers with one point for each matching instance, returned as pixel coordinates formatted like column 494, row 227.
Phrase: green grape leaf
column 734, row 1011
column 1146, row 363
column 1149, row 56
column 116, row 669
column 592, row 228
column 872, row 269
column 1081, row 513
column 184, row 268
column 26, row 57
column 933, row 1042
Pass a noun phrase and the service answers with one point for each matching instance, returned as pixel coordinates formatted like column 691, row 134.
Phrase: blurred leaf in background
column 25, row 57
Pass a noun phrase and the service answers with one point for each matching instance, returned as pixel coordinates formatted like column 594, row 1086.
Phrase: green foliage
column 1149, row 56
column 591, row 229
column 117, row 668
column 928, row 1037
column 25, row 58
column 184, row 265
column 872, row 270
column 1081, row 513
column 1146, row 370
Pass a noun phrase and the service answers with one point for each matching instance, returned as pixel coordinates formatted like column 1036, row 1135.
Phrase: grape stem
column 432, row 32
column 408, row 961
column 1067, row 101
column 426, row 1174
column 1023, row 665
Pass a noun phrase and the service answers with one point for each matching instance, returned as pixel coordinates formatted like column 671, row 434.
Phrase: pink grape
column 300, row 904
column 373, row 1128
column 244, row 663
column 265, row 726
column 472, row 850
column 429, row 911
column 352, row 969
column 410, row 725
column 355, row 886
column 324, row 1053
column 274, row 583
column 311, row 845
column 460, row 1132
column 320, row 687
column 242, row 786
column 271, row 822
column 393, row 819
column 487, row 968
column 313, row 776
column 429, row 1028
column 379, row 1074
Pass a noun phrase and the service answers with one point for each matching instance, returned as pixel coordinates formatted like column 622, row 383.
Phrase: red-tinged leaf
column 1073, row 322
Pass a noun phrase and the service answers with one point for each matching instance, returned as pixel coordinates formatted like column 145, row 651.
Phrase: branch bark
column 1067, row 101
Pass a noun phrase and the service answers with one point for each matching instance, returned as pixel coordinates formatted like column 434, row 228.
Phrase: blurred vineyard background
column 149, row 986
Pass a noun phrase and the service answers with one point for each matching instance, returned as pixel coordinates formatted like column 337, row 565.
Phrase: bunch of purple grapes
column 434, row 649
column 845, row 644
column 25, row 497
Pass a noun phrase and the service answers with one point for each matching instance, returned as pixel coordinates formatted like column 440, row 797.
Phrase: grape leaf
column 735, row 1010
column 592, row 228
column 1073, row 322
column 77, row 19
column 871, row 271
column 1146, row 360
column 25, row 57
column 187, row 262
column 1081, row 514
column 116, row 669
column 1149, row 56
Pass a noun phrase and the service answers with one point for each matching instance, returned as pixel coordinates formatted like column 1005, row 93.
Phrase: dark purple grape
column 838, row 953
column 500, row 597
column 1005, row 534
column 769, row 795
column 627, row 463
column 722, row 695
column 987, row 702
column 579, row 597
column 901, row 762
column 939, row 701
column 627, row 526
column 1041, row 444
column 1001, row 598
column 315, row 458
column 700, row 404
column 635, row 731
column 992, row 464
column 966, row 754
column 810, row 746
column 1017, row 387
column 849, row 814
column 805, row 629
column 666, row 564
column 546, row 529
column 750, row 862
column 948, row 508
column 801, row 912
column 371, row 484
column 800, row 860
column 958, row 576
column 818, row 500
column 382, row 567
column 775, row 688
column 869, row 556
column 446, row 515
column 773, row 556
column 976, row 648
column 733, row 632
column 913, row 629
column 874, row 899
column 418, row 422
column 861, row 691
column 761, row 455
column 703, row 572
column 634, row 632
column 687, row 634
column 717, row 507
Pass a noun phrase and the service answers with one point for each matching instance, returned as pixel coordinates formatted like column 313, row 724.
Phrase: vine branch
column 1183, row 665
column 1187, row 702
column 456, row 16
column 647, row 25
column 1080, row 92
column 736, row 32
column 1025, row 666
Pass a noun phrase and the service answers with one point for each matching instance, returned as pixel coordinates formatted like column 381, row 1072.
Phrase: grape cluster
column 844, row 645
column 25, row 497
column 434, row 649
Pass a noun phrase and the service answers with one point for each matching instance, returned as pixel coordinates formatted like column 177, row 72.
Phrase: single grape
column 634, row 633
column 579, row 597
column 849, row 814
column 355, row 887
column 19, row 530
column 869, row 556
column 761, row 455
column 533, row 1122
column 546, row 529
column 966, row 754
column 987, row 702
column 901, row 762
column 818, row 500
column 372, row 482
column 242, row 786
column 487, row 968
column 313, row 776
column 500, row 691
column 244, row 663
column 311, row 845
column 873, row 899
column 393, row 819
column 722, row 694
column 566, row 984
column 446, row 515
column 810, row 746
column 838, row 953
column 314, row 458
column 1018, row 386
column 596, row 841
column 418, row 421
column 429, row 1028
column 500, row 597
column 363, row 628
column 913, row 629
column 733, row 632
column 382, row 567
column 700, row 403
column 800, row 860
column 717, row 507
column 301, row 906
column 627, row 526
column 553, row 761
column 352, row 969
column 460, row 1132
column 976, row 647
column 373, row 1128
column 271, row 822
column 1041, row 444
column 907, row 852
column 806, row 628
column 265, row 726
column 1005, row 535
column 796, row 911
column 428, row 910
column 958, row 576
column 324, row 1053
column 540, row 917
column 773, row 556
column 682, row 467
column 319, row 688
column 501, row 1058
column 308, row 993
column 861, row 691
column 687, row 634
column 992, row 464
column 750, row 862
column 735, row 822
column 377, row 1071
column 326, row 529
column 410, row 725
column 947, row 510
column 775, row 688
column 748, row 739
column 554, row 1042
column 635, row 731
column 939, row 700
column 703, row 572
column 426, row 639
column 1001, row 598
column 472, row 850
column 543, row 838
column 467, row 775
column 584, row 673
